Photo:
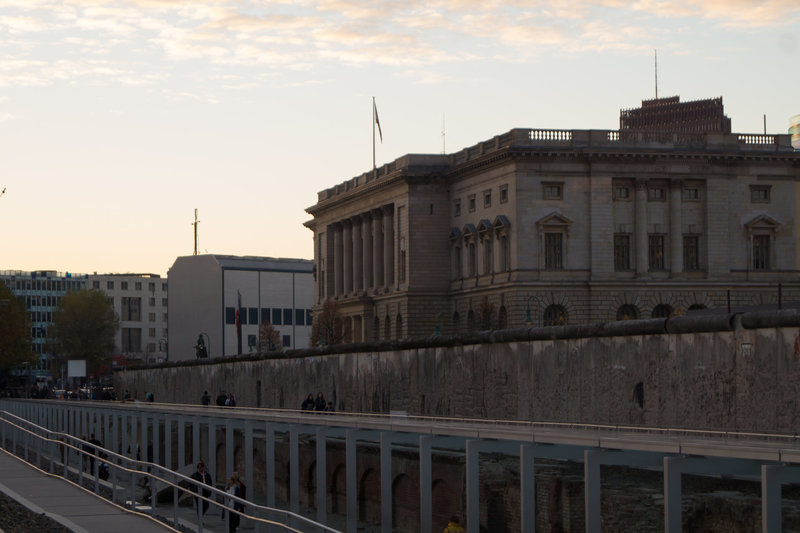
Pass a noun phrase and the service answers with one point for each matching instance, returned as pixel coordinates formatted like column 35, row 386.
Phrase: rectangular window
column 151, row 347
column 287, row 317
column 243, row 315
column 131, row 309
column 487, row 198
column 300, row 317
column 656, row 252
column 151, row 317
column 265, row 315
column 251, row 341
column 287, row 341
column 487, row 256
column 164, row 287
column 761, row 252
column 691, row 194
column 164, row 302
column 276, row 316
column 230, row 315
column 503, row 194
column 95, row 284
column 759, row 194
column 151, row 332
column 138, row 285
column 151, row 302
column 164, row 317
column 471, row 202
column 110, row 285
column 622, row 252
column 553, row 251
column 252, row 315
column 151, row 287
column 131, row 339
column 457, row 207
column 553, row 191
column 473, row 260
column 691, row 253
column 457, row 271
column 656, row 194
column 123, row 285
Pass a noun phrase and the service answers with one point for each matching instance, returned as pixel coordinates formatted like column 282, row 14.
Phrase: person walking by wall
column 308, row 403
column 320, row 404
column 230, row 401
column 205, row 399
column 203, row 477
column 454, row 526
column 235, row 487
column 221, row 398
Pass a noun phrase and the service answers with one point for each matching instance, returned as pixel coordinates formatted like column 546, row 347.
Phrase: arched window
column 627, row 312
column 471, row 320
column 387, row 328
column 399, row 326
column 662, row 311
column 376, row 329
column 555, row 315
column 456, row 322
column 502, row 318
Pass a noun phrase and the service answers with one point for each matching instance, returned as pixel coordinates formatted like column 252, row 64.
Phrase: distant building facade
column 548, row 227
column 140, row 301
column 41, row 291
column 670, row 115
column 210, row 293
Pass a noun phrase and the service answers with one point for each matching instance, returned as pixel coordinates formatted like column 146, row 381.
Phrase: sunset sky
column 119, row 118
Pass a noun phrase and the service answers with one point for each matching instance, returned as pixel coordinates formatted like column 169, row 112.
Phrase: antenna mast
column 195, row 223
column 444, row 151
column 655, row 56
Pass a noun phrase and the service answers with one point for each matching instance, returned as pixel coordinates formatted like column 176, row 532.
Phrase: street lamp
column 528, row 317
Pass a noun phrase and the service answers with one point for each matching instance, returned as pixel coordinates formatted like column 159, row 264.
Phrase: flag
column 377, row 122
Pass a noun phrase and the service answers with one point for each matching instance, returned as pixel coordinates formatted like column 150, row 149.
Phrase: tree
column 15, row 333
column 84, row 326
column 329, row 327
column 269, row 338
column 486, row 314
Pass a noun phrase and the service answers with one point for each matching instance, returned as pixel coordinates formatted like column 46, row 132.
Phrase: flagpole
column 374, row 168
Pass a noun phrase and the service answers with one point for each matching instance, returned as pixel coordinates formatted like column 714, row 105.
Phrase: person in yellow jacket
column 454, row 526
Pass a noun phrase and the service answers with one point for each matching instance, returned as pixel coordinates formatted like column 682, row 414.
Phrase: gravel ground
column 16, row 518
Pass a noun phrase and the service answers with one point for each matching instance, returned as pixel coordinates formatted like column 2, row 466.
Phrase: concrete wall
column 744, row 376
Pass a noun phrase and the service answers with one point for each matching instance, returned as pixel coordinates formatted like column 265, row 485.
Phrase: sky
column 119, row 118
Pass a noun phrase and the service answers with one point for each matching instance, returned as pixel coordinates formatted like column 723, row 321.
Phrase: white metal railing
column 68, row 456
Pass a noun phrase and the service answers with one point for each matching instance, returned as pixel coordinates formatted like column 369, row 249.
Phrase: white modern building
column 209, row 293
column 140, row 301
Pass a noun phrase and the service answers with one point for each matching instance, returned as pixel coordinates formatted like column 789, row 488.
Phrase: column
column 358, row 255
column 770, row 499
column 377, row 248
column 322, row 480
column 388, row 246
column 350, row 480
column 211, row 460
column 168, row 442
column 425, row 484
column 591, row 483
column 386, row 482
column 473, row 494
column 269, row 457
column 527, row 489
column 338, row 260
column 640, row 230
column 248, row 458
column 672, row 495
column 229, row 445
column 347, row 256
column 294, row 467
column 366, row 235
column 195, row 440
column 675, row 230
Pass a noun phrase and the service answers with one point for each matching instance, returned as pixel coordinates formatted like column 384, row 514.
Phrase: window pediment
column 484, row 227
column 455, row 234
column 554, row 220
column 469, row 231
column 762, row 223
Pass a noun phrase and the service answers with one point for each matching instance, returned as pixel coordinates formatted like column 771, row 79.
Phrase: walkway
column 73, row 507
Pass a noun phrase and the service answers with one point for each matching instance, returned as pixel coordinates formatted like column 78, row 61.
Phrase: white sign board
column 76, row 368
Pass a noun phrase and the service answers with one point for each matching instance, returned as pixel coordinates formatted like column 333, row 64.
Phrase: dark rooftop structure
column 671, row 115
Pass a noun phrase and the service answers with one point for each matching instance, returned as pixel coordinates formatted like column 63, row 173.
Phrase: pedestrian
column 235, row 487
column 221, row 398
column 95, row 449
column 320, row 403
column 201, row 476
column 308, row 403
column 149, row 397
column 230, row 401
column 205, row 399
column 330, row 408
column 454, row 526
column 127, row 396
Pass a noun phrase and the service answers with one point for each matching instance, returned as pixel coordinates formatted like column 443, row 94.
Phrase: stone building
column 226, row 298
column 140, row 301
column 547, row 227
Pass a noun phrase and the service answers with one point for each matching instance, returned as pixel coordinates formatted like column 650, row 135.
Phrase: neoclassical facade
column 543, row 227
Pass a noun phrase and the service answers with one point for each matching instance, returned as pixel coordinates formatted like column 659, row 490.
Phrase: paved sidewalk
column 73, row 507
